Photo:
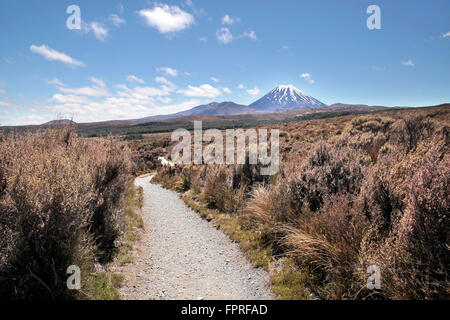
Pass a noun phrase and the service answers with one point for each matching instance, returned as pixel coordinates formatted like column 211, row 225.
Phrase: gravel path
column 181, row 256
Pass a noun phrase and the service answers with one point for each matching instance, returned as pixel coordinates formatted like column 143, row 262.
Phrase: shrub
column 327, row 243
column 413, row 256
column 372, row 124
column 217, row 188
column 61, row 202
column 326, row 171
column 411, row 129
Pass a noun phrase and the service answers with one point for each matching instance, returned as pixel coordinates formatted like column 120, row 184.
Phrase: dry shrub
column 327, row 243
column 168, row 176
column 352, row 213
column 268, row 209
column 371, row 124
column 219, row 191
column 414, row 256
column 411, row 129
column 60, row 203
column 112, row 172
column 327, row 170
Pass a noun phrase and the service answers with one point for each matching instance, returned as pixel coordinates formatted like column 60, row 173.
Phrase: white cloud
column 205, row 90
column 125, row 104
column 229, row 20
column 307, row 77
column 132, row 78
column 445, row 35
column 86, row 91
column 69, row 99
column 198, row 12
column 116, row 20
column 136, row 103
column 166, row 18
column 165, row 99
column 214, row 79
column 254, row 92
column 203, row 39
column 226, row 90
column 146, row 92
column 28, row 119
column 100, row 30
column 251, row 35
column 84, row 106
column 120, row 8
column 55, row 81
column 98, row 82
column 168, row 71
column 3, row 91
column 97, row 90
column 408, row 63
column 164, row 81
column 224, row 35
column 121, row 86
column 286, row 49
column 241, row 86
column 53, row 55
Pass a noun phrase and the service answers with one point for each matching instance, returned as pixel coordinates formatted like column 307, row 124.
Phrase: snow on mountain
column 285, row 97
column 281, row 98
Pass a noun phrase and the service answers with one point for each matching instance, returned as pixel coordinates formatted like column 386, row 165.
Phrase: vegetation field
column 355, row 189
column 352, row 192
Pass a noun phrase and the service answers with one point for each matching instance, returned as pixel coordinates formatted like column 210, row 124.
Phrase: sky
column 136, row 58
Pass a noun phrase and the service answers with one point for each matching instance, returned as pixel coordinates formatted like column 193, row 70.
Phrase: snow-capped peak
column 288, row 89
column 286, row 97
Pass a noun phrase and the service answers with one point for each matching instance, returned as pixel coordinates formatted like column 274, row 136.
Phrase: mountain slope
column 284, row 98
column 59, row 122
column 213, row 108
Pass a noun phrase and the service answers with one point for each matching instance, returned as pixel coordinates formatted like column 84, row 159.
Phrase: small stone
column 209, row 217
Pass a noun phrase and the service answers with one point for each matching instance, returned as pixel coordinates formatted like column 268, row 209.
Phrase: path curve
column 182, row 256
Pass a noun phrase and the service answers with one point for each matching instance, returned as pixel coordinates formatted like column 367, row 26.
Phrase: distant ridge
column 213, row 108
column 282, row 98
column 59, row 122
column 347, row 104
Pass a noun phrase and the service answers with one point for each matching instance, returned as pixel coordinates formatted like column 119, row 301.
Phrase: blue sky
column 138, row 58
